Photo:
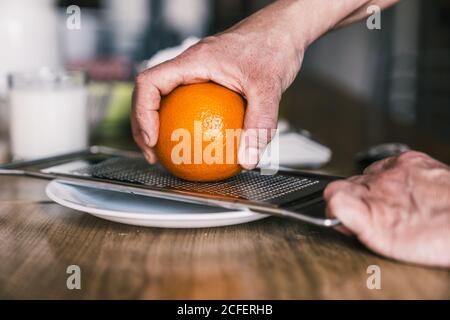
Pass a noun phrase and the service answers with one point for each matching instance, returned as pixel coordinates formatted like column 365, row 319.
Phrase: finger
column 341, row 228
column 148, row 152
column 361, row 179
column 150, row 156
column 350, row 186
column 350, row 209
column 150, row 86
column 259, row 128
column 344, row 186
column 140, row 137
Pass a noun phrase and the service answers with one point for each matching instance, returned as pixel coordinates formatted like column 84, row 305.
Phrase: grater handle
column 283, row 213
column 305, row 218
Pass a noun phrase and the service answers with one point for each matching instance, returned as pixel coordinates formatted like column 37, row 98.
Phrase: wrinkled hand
column 399, row 207
column 247, row 59
column 259, row 58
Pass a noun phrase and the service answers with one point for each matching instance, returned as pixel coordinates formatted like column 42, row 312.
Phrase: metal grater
column 289, row 193
column 247, row 185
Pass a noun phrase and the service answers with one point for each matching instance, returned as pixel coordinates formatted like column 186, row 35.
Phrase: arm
column 259, row 58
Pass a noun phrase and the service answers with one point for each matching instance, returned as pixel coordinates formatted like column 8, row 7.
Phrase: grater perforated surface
column 247, row 185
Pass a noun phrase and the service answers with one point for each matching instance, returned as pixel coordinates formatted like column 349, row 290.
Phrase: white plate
column 144, row 211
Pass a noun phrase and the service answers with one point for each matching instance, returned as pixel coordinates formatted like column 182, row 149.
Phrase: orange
column 199, row 132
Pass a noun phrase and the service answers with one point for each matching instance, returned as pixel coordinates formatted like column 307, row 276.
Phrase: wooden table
column 272, row 258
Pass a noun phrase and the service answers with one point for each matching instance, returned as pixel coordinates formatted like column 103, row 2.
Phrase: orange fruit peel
column 200, row 127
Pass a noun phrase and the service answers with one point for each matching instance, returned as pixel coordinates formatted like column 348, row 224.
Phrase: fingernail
column 146, row 138
column 149, row 157
column 249, row 159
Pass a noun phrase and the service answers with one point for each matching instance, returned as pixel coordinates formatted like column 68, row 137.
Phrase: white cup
column 47, row 112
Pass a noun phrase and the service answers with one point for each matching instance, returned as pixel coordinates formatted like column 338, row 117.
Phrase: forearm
column 304, row 21
column 361, row 12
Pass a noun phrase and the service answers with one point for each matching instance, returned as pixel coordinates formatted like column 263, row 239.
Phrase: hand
column 399, row 207
column 255, row 58
column 259, row 58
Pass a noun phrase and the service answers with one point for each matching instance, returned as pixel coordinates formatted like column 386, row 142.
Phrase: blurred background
column 357, row 88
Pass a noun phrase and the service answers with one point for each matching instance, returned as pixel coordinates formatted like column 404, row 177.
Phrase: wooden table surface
column 272, row 258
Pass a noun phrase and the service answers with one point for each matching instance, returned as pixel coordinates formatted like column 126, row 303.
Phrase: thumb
column 260, row 124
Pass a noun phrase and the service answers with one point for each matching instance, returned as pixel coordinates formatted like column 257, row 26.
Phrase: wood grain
column 271, row 258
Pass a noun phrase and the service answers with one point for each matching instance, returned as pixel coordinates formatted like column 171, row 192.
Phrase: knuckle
column 140, row 79
column 140, row 116
column 357, row 178
column 209, row 39
column 409, row 156
column 374, row 167
column 334, row 187
column 368, row 170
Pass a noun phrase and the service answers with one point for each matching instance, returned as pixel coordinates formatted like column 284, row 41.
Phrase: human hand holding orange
column 257, row 58
column 246, row 59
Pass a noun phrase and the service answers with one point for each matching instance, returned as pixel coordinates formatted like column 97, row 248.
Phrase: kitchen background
column 401, row 72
